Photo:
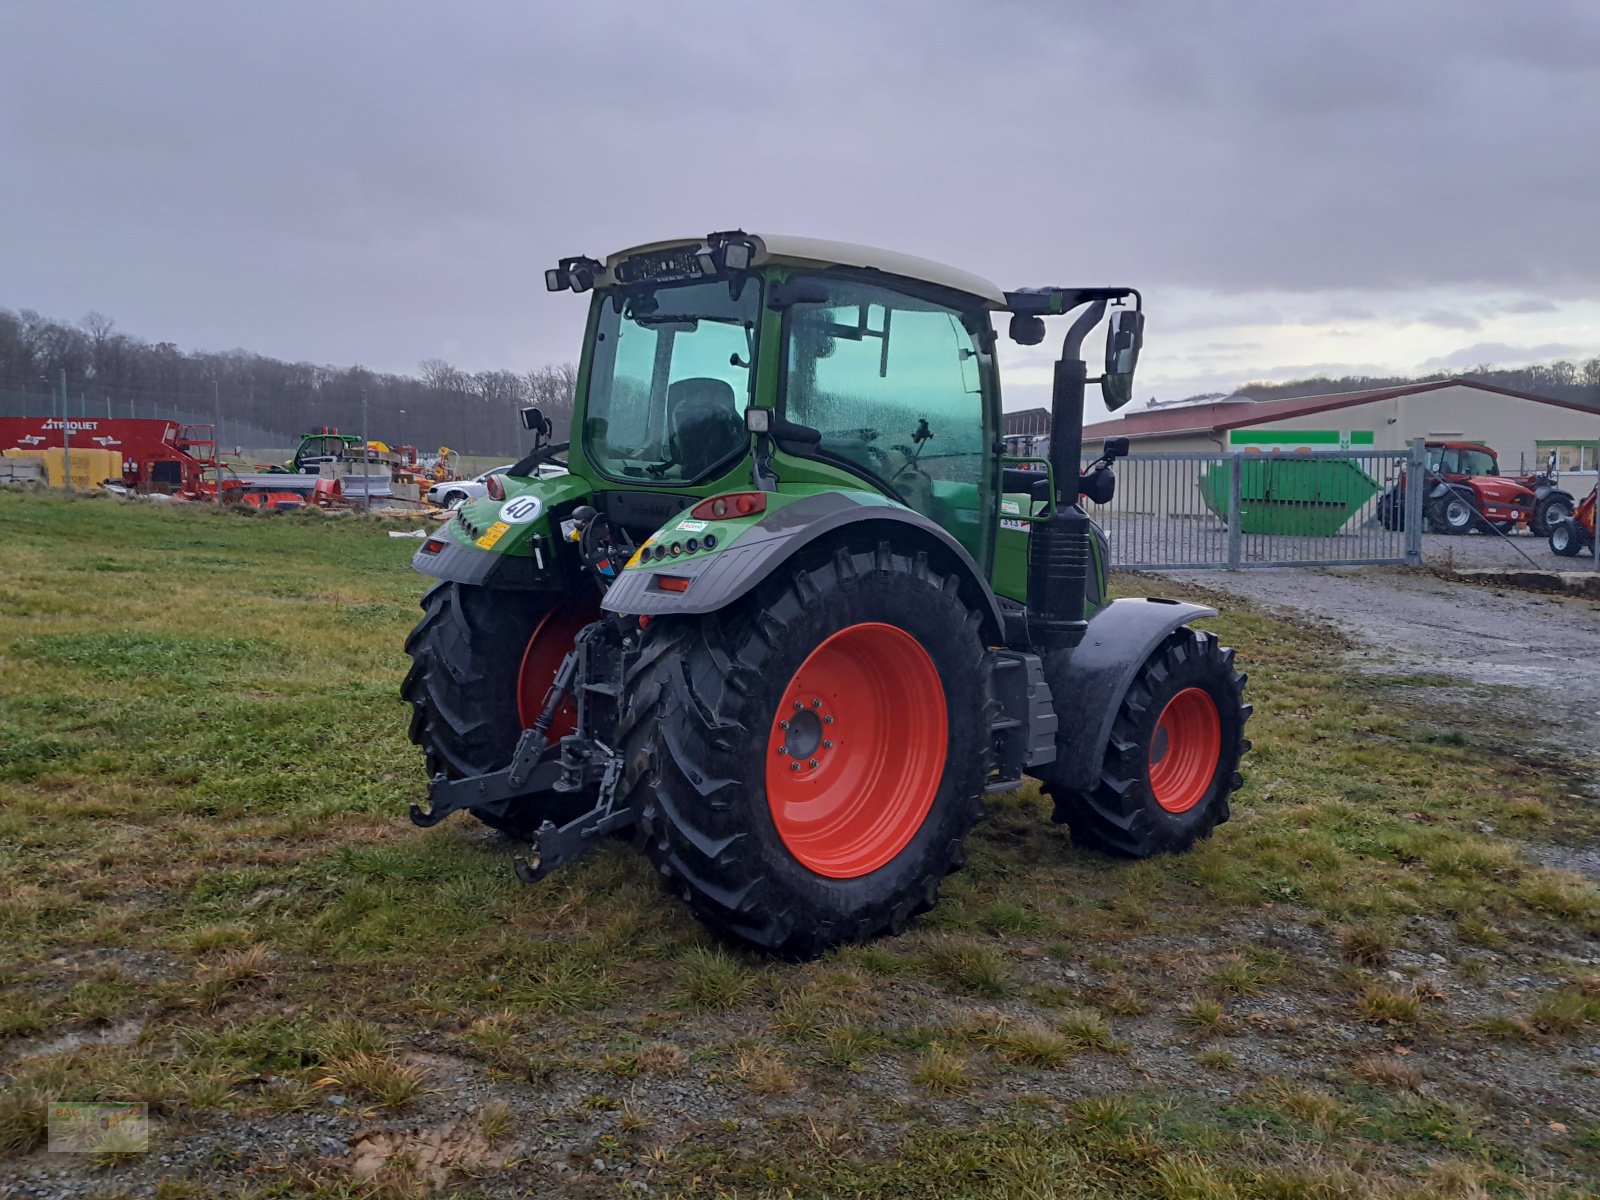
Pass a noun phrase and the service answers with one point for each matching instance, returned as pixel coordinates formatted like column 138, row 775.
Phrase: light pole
column 66, row 432
column 366, row 457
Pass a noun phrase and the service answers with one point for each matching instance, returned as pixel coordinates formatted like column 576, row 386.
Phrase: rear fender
column 724, row 577
column 1094, row 676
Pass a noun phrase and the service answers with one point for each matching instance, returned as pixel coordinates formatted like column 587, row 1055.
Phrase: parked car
column 452, row 493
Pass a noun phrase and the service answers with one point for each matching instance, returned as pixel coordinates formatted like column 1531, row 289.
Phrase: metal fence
column 81, row 404
column 1307, row 508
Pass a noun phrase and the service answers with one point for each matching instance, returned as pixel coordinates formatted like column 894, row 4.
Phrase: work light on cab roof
column 791, row 613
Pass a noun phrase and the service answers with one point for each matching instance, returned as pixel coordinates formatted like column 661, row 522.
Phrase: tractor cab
column 793, row 610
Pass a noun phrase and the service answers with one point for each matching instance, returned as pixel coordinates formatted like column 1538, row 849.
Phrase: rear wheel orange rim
column 856, row 750
column 1184, row 750
column 552, row 639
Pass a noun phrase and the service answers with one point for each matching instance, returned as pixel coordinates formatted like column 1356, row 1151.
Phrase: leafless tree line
column 472, row 412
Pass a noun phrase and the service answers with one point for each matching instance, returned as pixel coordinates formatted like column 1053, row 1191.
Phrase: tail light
column 671, row 583
column 495, row 488
column 734, row 504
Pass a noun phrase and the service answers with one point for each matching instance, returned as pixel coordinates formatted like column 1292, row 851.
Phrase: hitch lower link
column 568, row 767
column 571, row 765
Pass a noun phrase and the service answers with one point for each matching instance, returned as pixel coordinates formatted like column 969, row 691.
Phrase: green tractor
column 792, row 612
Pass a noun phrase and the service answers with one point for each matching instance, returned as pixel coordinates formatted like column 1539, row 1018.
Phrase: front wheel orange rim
column 1184, row 750
column 856, row 750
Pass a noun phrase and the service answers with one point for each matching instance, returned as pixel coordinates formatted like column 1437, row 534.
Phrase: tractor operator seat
column 703, row 423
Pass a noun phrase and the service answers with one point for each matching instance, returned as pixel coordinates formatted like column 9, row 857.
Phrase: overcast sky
column 1295, row 187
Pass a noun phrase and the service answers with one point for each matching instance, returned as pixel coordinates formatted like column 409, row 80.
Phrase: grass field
column 211, row 901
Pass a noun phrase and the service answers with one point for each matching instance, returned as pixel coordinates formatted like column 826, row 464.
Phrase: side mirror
column 1124, row 338
column 534, row 420
column 1114, row 448
column 1099, row 486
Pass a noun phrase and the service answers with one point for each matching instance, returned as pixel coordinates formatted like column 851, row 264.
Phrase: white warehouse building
column 1520, row 427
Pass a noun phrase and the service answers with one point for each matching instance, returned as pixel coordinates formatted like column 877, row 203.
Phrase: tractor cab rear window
column 670, row 380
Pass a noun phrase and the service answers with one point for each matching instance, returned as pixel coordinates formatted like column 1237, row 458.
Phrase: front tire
column 805, row 766
column 1566, row 539
column 1173, row 756
column 1453, row 514
column 1391, row 511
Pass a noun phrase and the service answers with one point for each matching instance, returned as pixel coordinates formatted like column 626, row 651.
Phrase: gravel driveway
column 1545, row 650
column 1492, row 550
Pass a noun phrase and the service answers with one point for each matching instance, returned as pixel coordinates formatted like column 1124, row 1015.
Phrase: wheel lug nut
column 816, row 704
column 798, row 706
column 794, row 766
column 827, row 745
column 828, row 720
column 782, row 750
column 783, row 724
column 813, row 762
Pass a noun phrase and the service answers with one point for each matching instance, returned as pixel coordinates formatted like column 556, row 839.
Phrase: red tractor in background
column 1571, row 534
column 1466, row 492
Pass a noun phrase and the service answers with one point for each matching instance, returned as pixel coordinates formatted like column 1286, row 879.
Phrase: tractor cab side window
column 894, row 385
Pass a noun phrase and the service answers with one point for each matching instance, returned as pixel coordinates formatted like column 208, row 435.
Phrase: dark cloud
column 384, row 181
column 1530, row 304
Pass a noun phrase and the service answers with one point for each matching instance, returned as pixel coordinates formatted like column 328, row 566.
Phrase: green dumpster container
column 1286, row 495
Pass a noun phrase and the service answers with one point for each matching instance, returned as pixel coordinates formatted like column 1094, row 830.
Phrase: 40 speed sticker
column 521, row 510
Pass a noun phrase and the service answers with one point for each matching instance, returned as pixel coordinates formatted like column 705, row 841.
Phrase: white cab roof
column 819, row 252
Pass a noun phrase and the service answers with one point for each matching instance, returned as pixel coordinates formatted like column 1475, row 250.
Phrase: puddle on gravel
column 124, row 1034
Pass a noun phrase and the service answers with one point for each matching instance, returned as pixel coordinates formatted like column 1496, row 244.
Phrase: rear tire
column 1173, row 756
column 465, row 685
column 1547, row 510
column 766, row 848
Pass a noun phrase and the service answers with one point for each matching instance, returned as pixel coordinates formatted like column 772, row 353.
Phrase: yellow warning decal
column 492, row 535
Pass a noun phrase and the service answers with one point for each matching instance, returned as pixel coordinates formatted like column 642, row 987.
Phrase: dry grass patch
column 1205, row 1016
column 1365, row 945
column 1032, row 1046
column 1383, row 1004
column 968, row 965
column 941, row 1070
column 382, row 1078
column 714, row 979
column 764, row 1070
column 1388, row 1071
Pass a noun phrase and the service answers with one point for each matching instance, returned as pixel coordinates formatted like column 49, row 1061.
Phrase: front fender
column 509, row 543
column 1096, row 674
column 718, row 579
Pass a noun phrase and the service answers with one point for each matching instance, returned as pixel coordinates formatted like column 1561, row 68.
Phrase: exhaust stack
column 1058, row 550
